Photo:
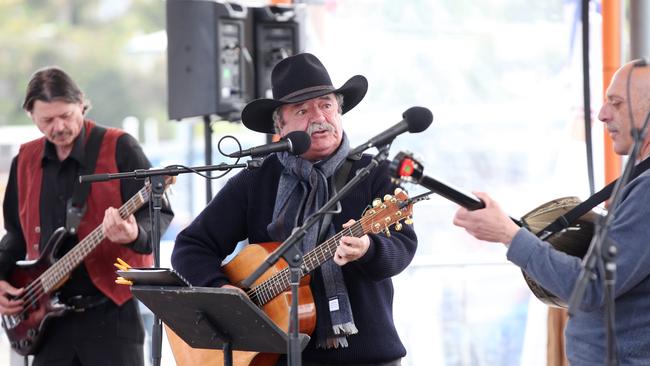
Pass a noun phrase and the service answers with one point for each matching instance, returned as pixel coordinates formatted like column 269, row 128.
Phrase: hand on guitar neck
column 490, row 223
column 9, row 306
column 351, row 248
column 117, row 229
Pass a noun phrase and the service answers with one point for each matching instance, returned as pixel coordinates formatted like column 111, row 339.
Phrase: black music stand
column 215, row 318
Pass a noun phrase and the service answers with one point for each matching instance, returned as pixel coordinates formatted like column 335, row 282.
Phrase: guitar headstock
column 391, row 211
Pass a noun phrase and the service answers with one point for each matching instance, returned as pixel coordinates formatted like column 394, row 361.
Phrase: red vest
column 99, row 263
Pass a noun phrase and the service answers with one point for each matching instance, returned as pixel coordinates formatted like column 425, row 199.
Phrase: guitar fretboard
column 51, row 277
column 279, row 282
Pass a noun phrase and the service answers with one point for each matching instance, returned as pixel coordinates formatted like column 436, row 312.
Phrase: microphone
column 405, row 167
column 416, row 119
column 296, row 142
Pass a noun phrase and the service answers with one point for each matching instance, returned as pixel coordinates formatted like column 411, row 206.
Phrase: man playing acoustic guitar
column 353, row 293
column 102, row 324
column 630, row 231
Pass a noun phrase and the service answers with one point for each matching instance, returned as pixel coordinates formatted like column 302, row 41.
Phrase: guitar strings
column 33, row 292
column 279, row 281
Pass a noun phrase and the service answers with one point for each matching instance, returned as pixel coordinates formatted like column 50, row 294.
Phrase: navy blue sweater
column 242, row 210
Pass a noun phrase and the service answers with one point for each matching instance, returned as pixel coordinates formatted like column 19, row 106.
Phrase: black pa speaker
column 209, row 68
column 279, row 32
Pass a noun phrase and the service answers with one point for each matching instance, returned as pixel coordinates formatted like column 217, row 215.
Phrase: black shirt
column 59, row 178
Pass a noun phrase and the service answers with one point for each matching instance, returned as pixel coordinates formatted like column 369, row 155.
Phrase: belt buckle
column 74, row 304
column 81, row 303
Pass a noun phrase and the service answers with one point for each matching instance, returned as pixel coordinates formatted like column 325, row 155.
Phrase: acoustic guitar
column 573, row 240
column 270, row 291
column 43, row 276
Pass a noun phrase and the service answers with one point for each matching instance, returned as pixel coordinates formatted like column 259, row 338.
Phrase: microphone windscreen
column 300, row 142
column 418, row 119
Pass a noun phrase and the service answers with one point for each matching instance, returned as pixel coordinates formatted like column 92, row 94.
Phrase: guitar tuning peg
column 376, row 202
column 409, row 220
column 388, row 197
column 398, row 226
column 398, row 190
column 387, row 231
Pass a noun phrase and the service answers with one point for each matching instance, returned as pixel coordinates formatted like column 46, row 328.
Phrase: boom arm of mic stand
column 172, row 170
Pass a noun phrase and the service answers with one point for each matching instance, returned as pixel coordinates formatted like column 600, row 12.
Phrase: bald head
column 619, row 107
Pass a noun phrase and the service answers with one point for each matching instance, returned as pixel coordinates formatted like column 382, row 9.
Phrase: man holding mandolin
column 93, row 320
column 630, row 231
column 353, row 292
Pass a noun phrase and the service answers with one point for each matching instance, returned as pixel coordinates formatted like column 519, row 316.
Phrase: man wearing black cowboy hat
column 353, row 293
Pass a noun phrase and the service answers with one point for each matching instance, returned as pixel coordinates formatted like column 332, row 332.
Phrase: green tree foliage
column 91, row 40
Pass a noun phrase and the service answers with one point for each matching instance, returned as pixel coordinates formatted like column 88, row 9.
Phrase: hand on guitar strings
column 351, row 248
column 8, row 304
column 489, row 223
column 118, row 230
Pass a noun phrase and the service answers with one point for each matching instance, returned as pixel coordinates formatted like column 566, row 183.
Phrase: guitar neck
column 62, row 268
column 279, row 282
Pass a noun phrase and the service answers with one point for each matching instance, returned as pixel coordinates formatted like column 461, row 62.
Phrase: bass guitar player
column 82, row 318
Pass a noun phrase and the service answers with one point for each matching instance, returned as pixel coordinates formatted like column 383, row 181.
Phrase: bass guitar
column 573, row 240
column 271, row 291
column 42, row 277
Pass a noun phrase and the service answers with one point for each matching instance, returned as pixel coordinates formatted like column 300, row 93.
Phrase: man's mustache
column 63, row 133
column 320, row 126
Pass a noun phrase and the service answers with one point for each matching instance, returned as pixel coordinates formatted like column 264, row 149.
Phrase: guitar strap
column 565, row 220
column 76, row 205
column 339, row 180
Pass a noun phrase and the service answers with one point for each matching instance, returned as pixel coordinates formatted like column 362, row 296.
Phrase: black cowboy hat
column 296, row 79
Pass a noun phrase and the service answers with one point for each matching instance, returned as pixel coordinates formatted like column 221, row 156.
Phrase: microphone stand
column 292, row 254
column 157, row 181
column 171, row 170
column 157, row 190
column 604, row 249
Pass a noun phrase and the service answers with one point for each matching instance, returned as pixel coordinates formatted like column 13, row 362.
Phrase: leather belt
column 81, row 303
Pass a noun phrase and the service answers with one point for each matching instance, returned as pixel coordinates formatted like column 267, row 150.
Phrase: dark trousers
column 104, row 335
column 398, row 362
column 389, row 363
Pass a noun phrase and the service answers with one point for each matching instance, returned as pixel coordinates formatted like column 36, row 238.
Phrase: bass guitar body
column 277, row 309
column 24, row 330
column 42, row 277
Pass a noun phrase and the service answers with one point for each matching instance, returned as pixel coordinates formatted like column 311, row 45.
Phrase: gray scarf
column 302, row 190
